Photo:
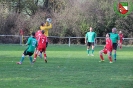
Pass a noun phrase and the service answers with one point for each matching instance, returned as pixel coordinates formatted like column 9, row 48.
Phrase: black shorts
column 90, row 43
column 115, row 46
column 46, row 44
column 27, row 53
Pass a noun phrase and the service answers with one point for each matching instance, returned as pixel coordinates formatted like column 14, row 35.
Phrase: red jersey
column 109, row 45
column 38, row 34
column 42, row 41
column 121, row 36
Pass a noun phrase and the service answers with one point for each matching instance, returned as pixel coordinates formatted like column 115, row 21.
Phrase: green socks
column 22, row 59
column 92, row 51
column 88, row 51
column 115, row 56
column 30, row 59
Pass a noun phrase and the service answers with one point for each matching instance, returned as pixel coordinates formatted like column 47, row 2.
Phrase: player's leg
column 21, row 60
column 101, row 55
column 114, row 55
column 109, row 56
column 114, row 50
column 30, row 57
column 88, row 48
column 35, row 55
column 45, row 56
column 93, row 46
column 40, row 54
column 120, row 45
column 22, row 57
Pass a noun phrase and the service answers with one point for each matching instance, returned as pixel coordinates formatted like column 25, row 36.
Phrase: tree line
column 69, row 17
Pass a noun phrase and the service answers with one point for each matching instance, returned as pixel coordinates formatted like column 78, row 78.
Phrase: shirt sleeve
column 48, row 27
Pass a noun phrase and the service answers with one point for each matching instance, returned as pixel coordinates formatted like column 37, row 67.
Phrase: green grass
column 67, row 67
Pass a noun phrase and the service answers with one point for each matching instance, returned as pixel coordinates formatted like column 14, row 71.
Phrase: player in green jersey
column 115, row 40
column 32, row 44
column 90, row 40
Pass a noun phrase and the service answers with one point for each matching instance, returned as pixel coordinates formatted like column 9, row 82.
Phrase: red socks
column 45, row 55
column 101, row 56
column 35, row 55
column 110, row 58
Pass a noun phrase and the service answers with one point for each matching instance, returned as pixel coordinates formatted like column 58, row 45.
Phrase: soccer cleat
column 33, row 61
column 114, row 60
column 92, row 54
column 18, row 63
column 110, row 62
column 45, row 61
column 101, row 61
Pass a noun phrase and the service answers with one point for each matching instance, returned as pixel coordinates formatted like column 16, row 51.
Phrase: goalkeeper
column 46, row 26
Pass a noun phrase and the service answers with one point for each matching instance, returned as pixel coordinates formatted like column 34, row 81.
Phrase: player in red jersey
column 42, row 39
column 121, row 39
column 107, row 49
column 37, row 36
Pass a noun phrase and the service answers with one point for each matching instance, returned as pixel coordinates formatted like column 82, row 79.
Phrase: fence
column 17, row 39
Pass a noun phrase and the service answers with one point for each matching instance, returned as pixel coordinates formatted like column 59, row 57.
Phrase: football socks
column 22, row 59
column 101, row 56
column 92, row 51
column 114, row 56
column 30, row 59
column 88, row 51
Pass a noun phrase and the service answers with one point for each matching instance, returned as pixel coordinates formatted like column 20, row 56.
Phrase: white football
column 49, row 20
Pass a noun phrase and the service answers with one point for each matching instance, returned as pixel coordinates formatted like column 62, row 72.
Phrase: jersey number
column 33, row 43
column 42, row 40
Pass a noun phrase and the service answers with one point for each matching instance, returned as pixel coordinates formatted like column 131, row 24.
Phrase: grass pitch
column 67, row 67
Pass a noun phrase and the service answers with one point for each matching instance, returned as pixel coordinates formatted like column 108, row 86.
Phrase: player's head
column 107, row 35
column 114, row 30
column 43, row 31
column 91, row 29
column 42, row 24
column 120, row 32
column 33, row 34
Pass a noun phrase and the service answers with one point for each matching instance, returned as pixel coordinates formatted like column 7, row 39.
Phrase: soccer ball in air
column 49, row 20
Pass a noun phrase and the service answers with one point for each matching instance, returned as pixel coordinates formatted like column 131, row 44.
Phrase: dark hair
column 33, row 33
column 43, row 31
column 108, row 34
column 42, row 24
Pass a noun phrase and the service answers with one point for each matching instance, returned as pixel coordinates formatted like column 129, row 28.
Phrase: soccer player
column 121, row 39
column 115, row 40
column 107, row 49
column 41, row 46
column 37, row 36
column 32, row 44
column 46, row 26
column 90, row 40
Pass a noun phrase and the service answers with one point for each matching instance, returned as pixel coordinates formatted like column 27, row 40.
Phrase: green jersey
column 90, row 36
column 32, row 42
column 114, row 37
